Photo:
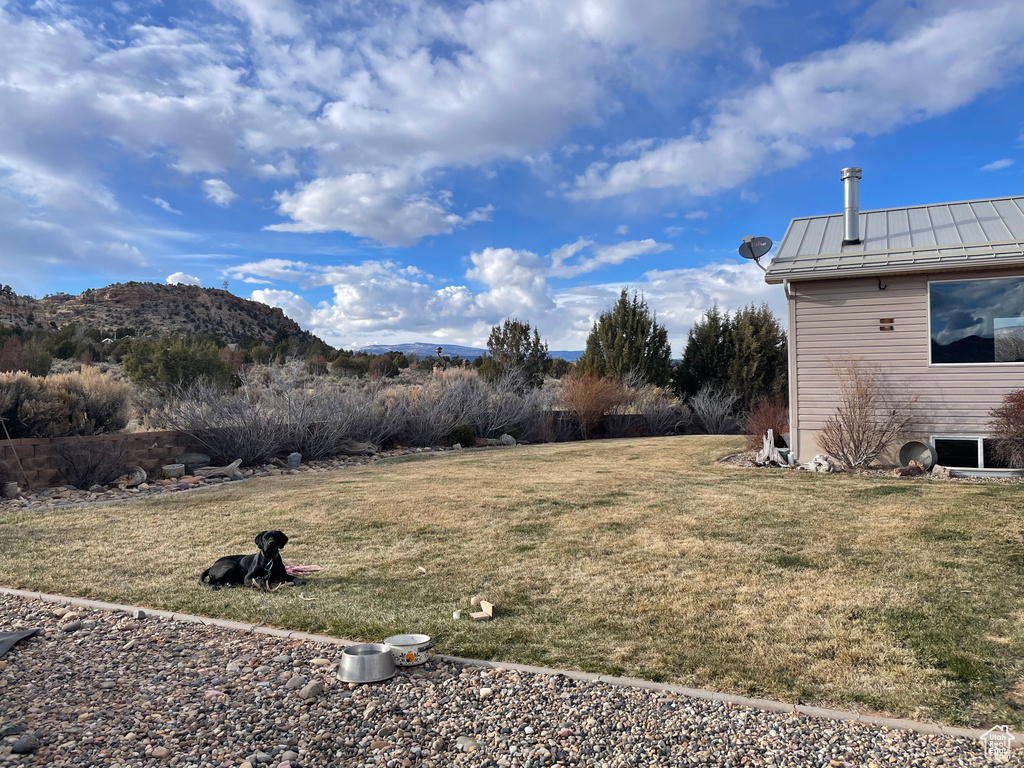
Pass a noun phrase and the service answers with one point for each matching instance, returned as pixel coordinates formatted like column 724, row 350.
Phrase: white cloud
column 292, row 304
column 696, row 215
column 385, row 301
column 390, row 208
column 998, row 165
column 180, row 278
column 622, row 229
column 219, row 192
column 674, row 231
column 276, row 17
column 826, row 100
column 601, row 255
column 159, row 202
column 283, row 169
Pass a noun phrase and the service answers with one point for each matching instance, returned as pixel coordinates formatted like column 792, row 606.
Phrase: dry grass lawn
column 635, row 557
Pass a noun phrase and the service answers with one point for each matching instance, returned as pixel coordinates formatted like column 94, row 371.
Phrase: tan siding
column 833, row 318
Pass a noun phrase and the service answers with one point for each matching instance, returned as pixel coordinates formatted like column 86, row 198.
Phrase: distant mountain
column 424, row 349
column 154, row 308
column 970, row 349
column 570, row 355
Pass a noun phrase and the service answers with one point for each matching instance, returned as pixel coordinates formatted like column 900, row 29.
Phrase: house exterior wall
column 839, row 317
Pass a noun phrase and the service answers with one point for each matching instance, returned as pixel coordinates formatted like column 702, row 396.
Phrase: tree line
column 743, row 353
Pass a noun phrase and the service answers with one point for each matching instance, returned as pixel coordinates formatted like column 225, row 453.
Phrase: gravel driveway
column 112, row 690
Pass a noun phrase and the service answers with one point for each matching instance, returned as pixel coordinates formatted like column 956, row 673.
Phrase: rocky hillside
column 153, row 308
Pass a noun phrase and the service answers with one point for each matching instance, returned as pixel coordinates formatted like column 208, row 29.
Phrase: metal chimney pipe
column 851, row 205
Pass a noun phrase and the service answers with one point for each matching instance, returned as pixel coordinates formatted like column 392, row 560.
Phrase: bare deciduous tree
column 868, row 417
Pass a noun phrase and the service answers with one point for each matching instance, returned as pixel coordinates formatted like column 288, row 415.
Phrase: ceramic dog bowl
column 409, row 650
column 366, row 663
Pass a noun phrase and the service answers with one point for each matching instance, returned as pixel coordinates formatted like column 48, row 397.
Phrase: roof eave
column 974, row 261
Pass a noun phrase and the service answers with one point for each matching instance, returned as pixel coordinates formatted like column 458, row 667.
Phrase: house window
column 977, row 321
column 965, row 452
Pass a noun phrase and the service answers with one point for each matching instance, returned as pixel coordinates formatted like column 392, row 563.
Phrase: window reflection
column 977, row 321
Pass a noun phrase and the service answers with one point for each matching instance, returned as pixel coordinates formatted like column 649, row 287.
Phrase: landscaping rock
column 507, row 440
column 311, row 690
column 939, row 472
column 193, row 461
column 11, row 490
column 294, row 460
column 25, row 745
column 352, row 448
column 133, row 477
column 530, row 719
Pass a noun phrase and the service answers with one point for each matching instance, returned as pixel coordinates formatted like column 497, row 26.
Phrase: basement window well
column 965, row 452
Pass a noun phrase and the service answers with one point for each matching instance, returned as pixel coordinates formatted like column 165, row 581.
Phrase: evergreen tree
column 627, row 342
column 170, row 363
column 511, row 347
column 758, row 364
column 745, row 354
column 707, row 354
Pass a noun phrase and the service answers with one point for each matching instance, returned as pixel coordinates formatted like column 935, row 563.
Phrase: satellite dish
column 755, row 247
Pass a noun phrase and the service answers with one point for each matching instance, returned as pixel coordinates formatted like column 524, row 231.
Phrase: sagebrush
column 84, row 402
column 281, row 409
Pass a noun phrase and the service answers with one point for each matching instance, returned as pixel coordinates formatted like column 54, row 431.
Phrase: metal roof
column 976, row 233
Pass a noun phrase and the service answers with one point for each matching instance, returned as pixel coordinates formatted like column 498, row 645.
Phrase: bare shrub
column 452, row 397
column 510, row 406
column 769, row 413
column 84, row 465
column 228, row 426
column 868, row 418
column 1007, row 428
column 588, row 398
column 663, row 413
column 714, row 410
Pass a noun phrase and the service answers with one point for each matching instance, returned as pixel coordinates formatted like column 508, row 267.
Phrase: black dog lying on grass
column 252, row 570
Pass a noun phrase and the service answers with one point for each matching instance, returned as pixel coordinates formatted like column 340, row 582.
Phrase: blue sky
column 419, row 171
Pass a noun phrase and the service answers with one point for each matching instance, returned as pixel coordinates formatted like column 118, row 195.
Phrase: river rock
column 25, row 744
column 311, row 690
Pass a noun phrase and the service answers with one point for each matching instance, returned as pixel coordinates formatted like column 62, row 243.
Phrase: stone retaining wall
column 41, row 461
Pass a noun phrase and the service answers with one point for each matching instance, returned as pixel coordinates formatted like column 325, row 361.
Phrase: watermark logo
column 997, row 741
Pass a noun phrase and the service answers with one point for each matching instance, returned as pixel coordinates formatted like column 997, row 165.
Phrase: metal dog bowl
column 366, row 663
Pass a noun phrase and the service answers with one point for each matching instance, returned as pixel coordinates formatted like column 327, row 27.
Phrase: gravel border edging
column 696, row 693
